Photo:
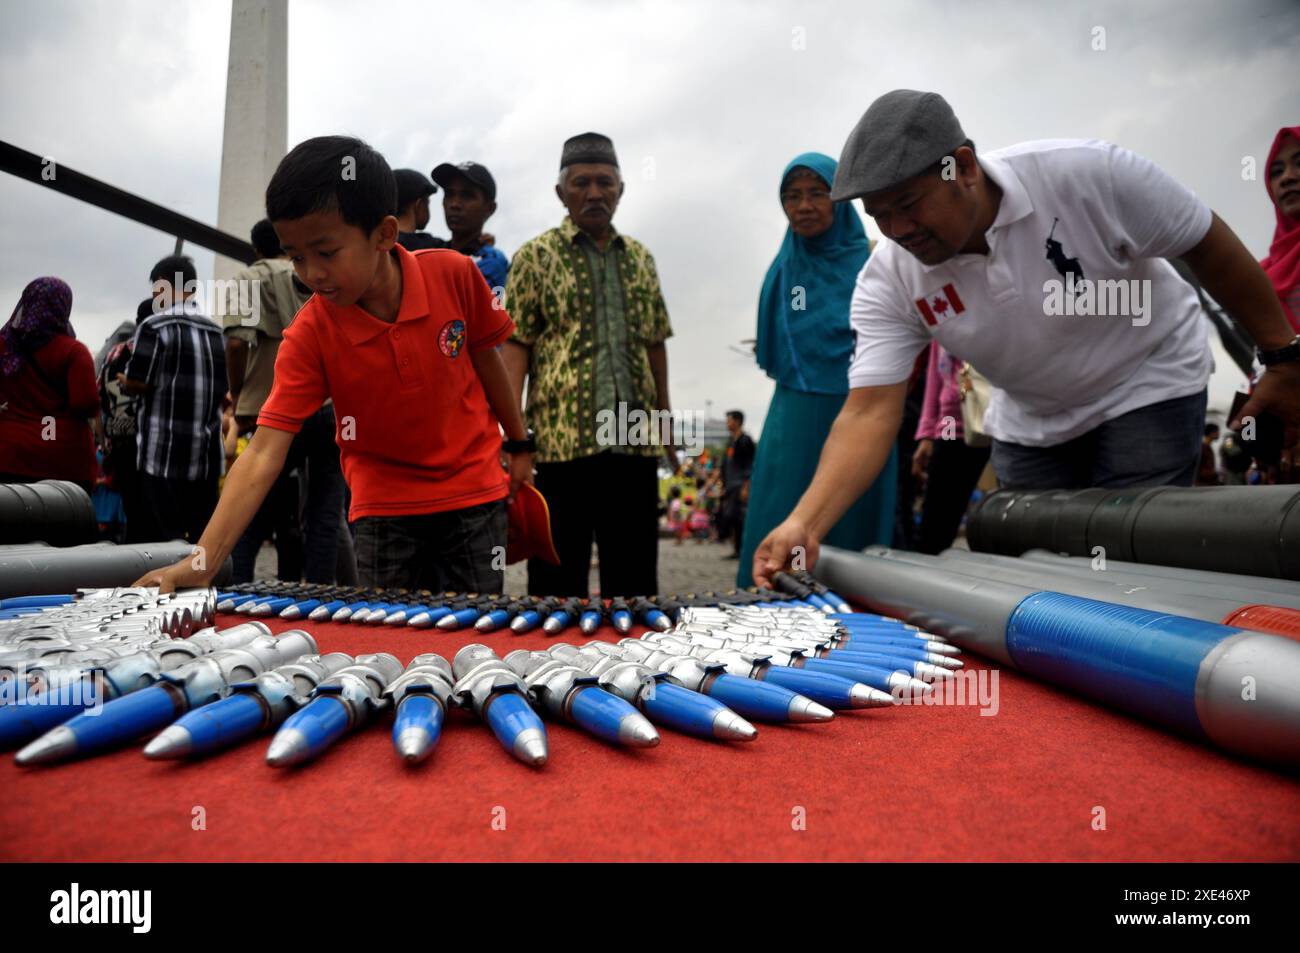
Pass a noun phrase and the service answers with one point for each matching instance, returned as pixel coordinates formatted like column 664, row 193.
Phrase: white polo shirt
column 1055, row 375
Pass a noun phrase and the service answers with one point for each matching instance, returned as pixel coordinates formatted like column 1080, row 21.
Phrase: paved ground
column 690, row 567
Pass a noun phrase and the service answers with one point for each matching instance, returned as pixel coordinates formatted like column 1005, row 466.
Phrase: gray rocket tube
column 1241, row 694
column 1252, row 530
column 1114, row 574
column 1259, row 584
column 52, row 511
column 1174, row 603
column 49, row 570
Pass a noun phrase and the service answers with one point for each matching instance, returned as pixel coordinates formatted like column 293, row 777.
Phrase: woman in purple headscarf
column 47, row 391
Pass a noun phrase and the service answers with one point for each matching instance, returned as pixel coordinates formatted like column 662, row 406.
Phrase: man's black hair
column 738, row 414
column 1211, row 429
column 167, row 270
column 265, row 242
column 338, row 173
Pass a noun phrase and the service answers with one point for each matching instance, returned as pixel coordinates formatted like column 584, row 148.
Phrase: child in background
column 676, row 516
column 699, row 523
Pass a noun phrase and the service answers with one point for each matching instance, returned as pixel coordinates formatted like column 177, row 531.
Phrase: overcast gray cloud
column 706, row 103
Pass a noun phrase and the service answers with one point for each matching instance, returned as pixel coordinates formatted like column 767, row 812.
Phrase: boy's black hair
column 168, row 268
column 341, row 173
column 738, row 414
column 265, row 242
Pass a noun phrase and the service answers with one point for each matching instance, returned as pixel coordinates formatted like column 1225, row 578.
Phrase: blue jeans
column 1156, row 445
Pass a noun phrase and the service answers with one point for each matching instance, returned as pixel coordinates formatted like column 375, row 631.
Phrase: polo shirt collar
column 360, row 327
column 1015, row 199
column 571, row 232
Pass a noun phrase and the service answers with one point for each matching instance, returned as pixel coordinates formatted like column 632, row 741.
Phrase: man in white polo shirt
column 1042, row 265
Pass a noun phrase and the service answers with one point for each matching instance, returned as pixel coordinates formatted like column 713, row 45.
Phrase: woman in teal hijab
column 805, row 344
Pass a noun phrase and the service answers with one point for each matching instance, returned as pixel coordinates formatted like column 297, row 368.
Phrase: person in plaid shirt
column 178, row 366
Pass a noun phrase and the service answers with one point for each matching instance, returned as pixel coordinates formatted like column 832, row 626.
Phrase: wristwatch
column 1290, row 352
column 527, row 445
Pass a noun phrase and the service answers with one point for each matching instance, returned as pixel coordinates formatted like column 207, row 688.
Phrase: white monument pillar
column 256, row 132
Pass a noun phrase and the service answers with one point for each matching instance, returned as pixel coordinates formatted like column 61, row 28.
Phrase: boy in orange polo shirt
column 406, row 345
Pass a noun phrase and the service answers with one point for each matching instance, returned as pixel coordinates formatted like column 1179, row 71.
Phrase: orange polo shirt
column 413, row 424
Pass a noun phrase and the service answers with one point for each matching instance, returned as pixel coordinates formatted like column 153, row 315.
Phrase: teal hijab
column 809, row 348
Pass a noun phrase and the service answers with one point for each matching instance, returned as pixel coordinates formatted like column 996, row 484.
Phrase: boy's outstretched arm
column 247, row 484
column 504, row 401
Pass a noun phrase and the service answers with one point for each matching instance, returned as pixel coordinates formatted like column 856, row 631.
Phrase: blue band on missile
column 599, row 712
column 753, row 699
column 1134, row 659
column 223, row 723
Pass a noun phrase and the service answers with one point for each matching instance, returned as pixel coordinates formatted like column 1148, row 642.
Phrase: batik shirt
column 552, row 297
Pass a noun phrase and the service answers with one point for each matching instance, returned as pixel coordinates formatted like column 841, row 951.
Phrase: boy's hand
column 521, row 471
column 180, row 575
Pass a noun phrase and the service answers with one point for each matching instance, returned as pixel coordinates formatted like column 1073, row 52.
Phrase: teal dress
column 807, row 350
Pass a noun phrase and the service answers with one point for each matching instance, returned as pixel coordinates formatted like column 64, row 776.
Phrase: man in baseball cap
column 468, row 200
column 1042, row 265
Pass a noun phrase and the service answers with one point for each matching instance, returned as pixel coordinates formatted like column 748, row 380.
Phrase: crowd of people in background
column 860, row 426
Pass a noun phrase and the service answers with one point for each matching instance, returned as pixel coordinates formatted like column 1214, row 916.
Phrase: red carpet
column 906, row 783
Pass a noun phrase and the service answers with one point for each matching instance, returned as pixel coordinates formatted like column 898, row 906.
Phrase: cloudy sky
column 706, row 102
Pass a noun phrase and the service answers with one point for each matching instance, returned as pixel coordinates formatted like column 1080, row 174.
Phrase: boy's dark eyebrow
column 322, row 240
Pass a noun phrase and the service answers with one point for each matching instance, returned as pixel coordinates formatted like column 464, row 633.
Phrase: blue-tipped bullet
column 323, row 612
column 883, row 678
column 402, row 615
column 493, row 620
column 346, row 612
column 497, row 695
column 459, row 618
column 525, row 621
column 428, row 616
column 343, row 702
column 420, row 695
column 620, row 615
column 299, row 609
column 589, row 621
column 556, row 622
column 569, row 693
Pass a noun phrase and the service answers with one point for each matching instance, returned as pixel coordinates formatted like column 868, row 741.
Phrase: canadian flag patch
column 935, row 306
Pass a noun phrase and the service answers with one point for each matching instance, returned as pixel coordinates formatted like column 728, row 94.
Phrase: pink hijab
column 1283, row 261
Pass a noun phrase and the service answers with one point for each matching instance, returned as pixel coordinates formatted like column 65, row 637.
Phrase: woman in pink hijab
column 1283, row 181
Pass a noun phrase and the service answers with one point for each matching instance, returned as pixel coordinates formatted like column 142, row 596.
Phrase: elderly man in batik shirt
column 590, row 326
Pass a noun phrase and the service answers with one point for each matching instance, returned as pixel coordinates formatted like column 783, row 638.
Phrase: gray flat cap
column 588, row 147
column 901, row 134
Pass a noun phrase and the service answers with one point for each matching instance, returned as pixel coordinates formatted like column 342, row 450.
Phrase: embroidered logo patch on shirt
column 451, row 338
column 935, row 306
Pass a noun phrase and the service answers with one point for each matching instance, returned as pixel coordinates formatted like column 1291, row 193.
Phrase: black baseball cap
column 411, row 185
column 478, row 174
